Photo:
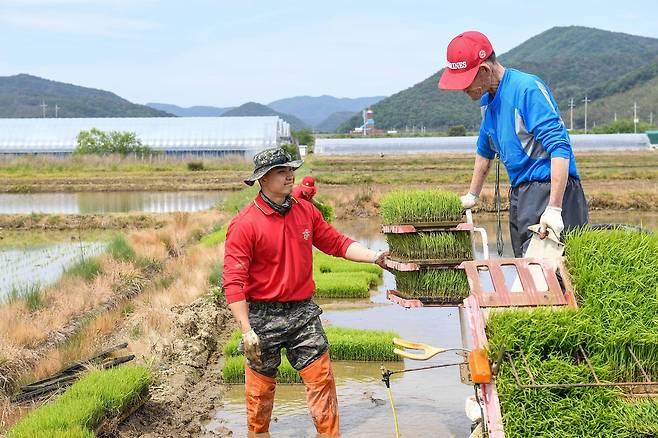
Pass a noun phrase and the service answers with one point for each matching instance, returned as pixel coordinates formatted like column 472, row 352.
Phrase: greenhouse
column 215, row 136
column 423, row 145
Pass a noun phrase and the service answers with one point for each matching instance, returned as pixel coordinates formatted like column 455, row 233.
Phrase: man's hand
column 251, row 345
column 380, row 258
column 469, row 200
column 551, row 218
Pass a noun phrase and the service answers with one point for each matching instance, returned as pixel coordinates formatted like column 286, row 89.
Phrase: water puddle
column 108, row 202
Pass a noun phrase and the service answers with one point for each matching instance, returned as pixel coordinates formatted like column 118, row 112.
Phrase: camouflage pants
column 293, row 325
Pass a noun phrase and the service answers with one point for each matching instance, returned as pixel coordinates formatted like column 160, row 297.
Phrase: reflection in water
column 108, row 202
column 428, row 403
column 22, row 267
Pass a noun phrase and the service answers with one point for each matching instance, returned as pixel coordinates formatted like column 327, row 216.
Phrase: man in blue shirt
column 521, row 123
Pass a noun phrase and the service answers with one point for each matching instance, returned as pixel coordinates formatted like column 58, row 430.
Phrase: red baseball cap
column 308, row 181
column 466, row 52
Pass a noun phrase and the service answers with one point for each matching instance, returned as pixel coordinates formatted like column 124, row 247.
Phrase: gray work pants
column 528, row 201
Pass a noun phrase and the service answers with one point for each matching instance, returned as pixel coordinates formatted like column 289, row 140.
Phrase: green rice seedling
column 344, row 344
column 98, row 395
column 88, row 269
column 344, row 284
column 615, row 274
column 412, row 206
column 233, row 370
column 120, row 249
column 327, row 263
column 448, row 284
column 216, row 237
column 432, row 245
column 361, row 345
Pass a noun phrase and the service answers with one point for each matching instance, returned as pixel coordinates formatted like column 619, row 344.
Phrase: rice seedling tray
column 404, row 265
column 416, row 227
column 409, row 301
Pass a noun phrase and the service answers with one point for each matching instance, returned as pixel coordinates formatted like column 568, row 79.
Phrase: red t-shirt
column 269, row 257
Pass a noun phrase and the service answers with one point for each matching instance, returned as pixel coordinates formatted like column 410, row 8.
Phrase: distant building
column 211, row 136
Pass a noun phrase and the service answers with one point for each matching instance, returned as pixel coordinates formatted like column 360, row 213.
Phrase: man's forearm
column 240, row 310
column 480, row 172
column 559, row 176
column 359, row 253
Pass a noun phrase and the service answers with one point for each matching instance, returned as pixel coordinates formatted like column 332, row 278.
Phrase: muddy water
column 428, row 403
column 108, row 202
column 24, row 266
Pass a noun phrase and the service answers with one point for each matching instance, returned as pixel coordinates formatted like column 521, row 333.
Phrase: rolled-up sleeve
column 327, row 239
column 238, row 253
column 543, row 120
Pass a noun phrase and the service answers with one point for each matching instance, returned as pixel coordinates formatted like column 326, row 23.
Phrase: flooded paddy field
column 428, row 403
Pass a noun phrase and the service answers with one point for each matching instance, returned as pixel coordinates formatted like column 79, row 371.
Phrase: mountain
column 572, row 60
column 331, row 123
column 257, row 109
column 314, row 110
column 22, row 95
column 193, row 111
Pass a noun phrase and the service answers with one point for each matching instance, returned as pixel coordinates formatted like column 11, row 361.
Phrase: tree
column 305, row 136
column 457, row 131
column 99, row 142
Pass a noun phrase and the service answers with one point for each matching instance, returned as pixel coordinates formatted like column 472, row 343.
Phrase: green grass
column 120, row 249
column 615, row 274
column 409, row 206
column 326, row 210
column 31, row 294
column 432, row 245
column 88, row 269
column 236, row 201
column 98, row 395
column 217, row 275
column 449, row 284
column 216, row 237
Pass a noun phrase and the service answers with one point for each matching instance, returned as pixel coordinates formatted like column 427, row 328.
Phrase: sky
column 225, row 53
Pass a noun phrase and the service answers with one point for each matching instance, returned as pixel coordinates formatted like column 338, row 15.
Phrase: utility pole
column 615, row 116
column 635, row 117
column 651, row 118
column 571, row 105
column 56, row 110
column 43, row 107
column 586, row 100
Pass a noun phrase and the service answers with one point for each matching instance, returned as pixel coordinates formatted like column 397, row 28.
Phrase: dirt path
column 188, row 380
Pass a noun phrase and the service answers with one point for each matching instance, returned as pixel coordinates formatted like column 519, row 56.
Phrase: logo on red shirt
column 306, row 234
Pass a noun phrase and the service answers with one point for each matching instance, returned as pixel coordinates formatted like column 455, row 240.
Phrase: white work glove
column 469, row 200
column 251, row 345
column 551, row 218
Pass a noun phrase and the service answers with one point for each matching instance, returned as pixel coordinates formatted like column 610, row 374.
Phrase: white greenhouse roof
column 167, row 134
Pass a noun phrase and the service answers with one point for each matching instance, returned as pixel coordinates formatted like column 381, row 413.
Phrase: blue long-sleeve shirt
column 522, row 123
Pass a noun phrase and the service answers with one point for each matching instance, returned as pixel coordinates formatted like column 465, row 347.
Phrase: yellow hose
column 395, row 416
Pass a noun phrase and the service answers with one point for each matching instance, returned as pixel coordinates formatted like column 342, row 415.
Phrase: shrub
column 195, row 166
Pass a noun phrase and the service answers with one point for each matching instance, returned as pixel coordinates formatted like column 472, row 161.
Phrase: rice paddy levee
column 127, row 293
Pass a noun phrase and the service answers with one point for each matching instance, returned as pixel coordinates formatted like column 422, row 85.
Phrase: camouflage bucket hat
column 268, row 159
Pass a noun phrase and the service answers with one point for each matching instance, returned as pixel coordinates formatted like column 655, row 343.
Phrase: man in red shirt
column 306, row 190
column 268, row 282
